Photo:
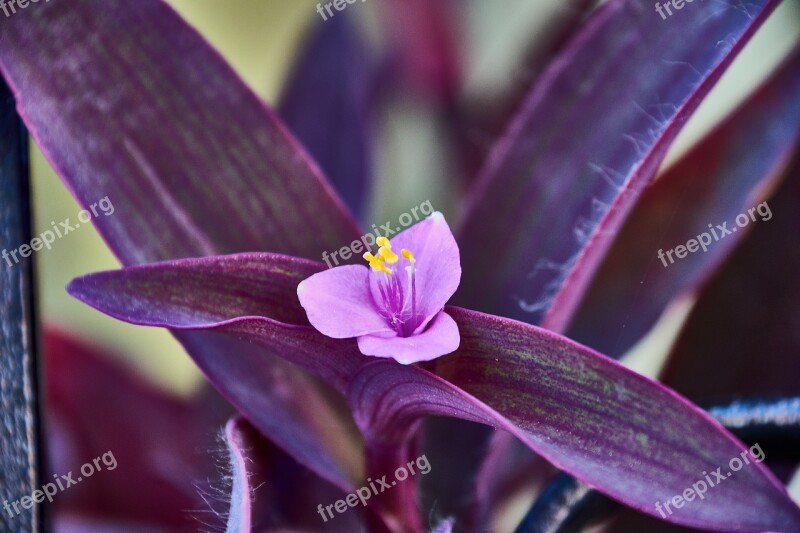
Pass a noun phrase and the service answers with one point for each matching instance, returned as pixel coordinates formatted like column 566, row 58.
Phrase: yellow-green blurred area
column 260, row 38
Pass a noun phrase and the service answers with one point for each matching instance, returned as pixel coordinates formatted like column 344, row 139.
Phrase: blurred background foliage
column 261, row 38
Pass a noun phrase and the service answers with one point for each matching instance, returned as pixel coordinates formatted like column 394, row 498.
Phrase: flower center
column 398, row 291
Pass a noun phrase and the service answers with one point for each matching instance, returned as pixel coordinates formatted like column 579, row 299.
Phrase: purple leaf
column 308, row 421
column 722, row 177
column 716, row 181
column 302, row 418
column 333, row 124
column 558, row 185
column 252, row 295
column 741, row 338
column 87, row 396
column 200, row 165
column 239, row 515
column 149, row 115
column 608, row 426
column 284, row 495
column 622, row 433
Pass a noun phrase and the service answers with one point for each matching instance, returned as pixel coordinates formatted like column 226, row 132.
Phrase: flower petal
column 339, row 304
column 440, row 338
column 438, row 266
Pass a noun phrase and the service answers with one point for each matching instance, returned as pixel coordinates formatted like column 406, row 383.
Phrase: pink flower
column 394, row 307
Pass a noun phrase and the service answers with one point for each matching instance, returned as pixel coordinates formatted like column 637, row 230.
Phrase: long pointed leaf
column 146, row 113
column 726, row 174
column 622, row 433
column 743, row 330
column 588, row 139
column 255, row 286
column 717, row 180
column 333, row 124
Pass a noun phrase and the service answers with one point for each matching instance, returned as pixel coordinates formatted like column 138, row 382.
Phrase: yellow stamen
column 376, row 262
column 408, row 255
column 388, row 255
column 383, row 241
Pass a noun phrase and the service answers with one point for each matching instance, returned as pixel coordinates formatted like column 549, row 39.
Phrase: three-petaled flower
column 395, row 307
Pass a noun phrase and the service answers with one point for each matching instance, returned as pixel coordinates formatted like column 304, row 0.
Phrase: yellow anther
column 383, row 241
column 408, row 255
column 388, row 255
column 376, row 262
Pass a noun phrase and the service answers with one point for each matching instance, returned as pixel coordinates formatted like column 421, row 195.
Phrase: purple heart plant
column 435, row 376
